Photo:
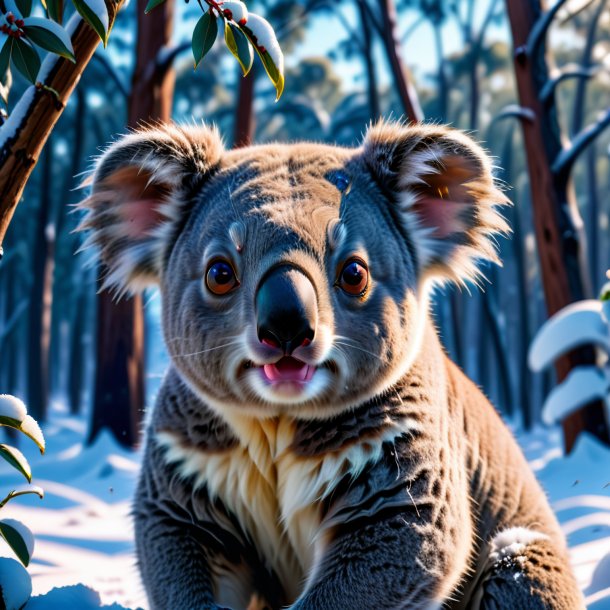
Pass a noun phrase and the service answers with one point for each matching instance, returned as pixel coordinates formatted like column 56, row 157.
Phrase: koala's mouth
column 288, row 369
column 288, row 377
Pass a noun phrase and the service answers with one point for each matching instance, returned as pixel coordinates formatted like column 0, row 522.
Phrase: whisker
column 366, row 351
column 205, row 351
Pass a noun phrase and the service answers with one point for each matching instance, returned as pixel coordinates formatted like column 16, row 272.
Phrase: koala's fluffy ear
column 445, row 194
column 138, row 189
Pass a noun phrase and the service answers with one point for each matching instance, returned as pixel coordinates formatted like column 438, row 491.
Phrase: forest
column 529, row 81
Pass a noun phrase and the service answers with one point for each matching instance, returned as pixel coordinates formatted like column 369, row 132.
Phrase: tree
column 561, row 246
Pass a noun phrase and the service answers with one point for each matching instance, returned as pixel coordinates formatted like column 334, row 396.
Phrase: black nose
column 286, row 309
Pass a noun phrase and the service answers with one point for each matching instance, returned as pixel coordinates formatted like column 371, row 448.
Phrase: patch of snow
column 11, row 406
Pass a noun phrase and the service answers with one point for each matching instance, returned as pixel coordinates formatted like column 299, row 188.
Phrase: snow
column 577, row 324
column 12, row 407
column 84, row 539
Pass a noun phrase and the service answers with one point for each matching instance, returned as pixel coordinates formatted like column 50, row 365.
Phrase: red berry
column 242, row 22
column 10, row 18
column 262, row 49
column 227, row 13
column 19, row 23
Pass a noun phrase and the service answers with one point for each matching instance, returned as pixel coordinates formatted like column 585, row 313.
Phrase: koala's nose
column 286, row 309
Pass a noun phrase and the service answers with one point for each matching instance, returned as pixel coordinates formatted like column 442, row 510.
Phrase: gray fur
column 390, row 482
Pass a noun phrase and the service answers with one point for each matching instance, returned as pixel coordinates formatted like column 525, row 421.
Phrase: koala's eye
column 354, row 277
column 220, row 277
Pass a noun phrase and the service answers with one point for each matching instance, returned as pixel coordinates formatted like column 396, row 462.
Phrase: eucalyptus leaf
column 25, row 7
column 16, row 459
column 25, row 59
column 239, row 46
column 5, row 55
column 49, row 35
column 204, row 36
column 19, row 538
column 275, row 75
column 152, row 4
column 55, row 9
column 95, row 13
column 22, row 491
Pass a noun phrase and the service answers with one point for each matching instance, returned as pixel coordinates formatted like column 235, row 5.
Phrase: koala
column 312, row 446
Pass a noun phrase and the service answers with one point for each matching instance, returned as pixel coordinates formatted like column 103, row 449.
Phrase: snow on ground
column 84, row 534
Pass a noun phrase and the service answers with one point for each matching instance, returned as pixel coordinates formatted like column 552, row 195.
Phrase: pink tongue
column 288, row 369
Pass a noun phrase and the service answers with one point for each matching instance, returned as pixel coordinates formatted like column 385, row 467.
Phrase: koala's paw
column 526, row 571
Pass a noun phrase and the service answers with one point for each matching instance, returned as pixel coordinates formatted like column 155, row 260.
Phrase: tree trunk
column 39, row 318
column 560, row 247
column 119, row 398
column 33, row 118
column 244, row 113
column 369, row 64
column 402, row 82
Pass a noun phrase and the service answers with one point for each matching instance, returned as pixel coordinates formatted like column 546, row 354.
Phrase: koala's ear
column 138, row 190
column 446, row 197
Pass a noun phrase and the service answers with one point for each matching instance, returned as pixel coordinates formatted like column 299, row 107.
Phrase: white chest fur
column 275, row 493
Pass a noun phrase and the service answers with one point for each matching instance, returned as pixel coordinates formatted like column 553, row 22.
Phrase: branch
column 30, row 123
column 549, row 87
column 112, row 72
column 567, row 157
column 167, row 56
column 491, row 13
column 513, row 111
column 578, row 10
column 538, row 32
column 374, row 20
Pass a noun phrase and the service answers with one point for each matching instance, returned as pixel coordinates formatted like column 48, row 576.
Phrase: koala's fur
column 390, row 481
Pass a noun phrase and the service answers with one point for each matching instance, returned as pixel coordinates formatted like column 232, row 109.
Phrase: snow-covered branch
column 27, row 129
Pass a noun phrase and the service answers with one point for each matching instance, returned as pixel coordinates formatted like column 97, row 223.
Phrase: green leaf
column 22, row 491
column 152, row 4
column 24, row 6
column 274, row 74
column 95, row 13
column 55, row 9
column 5, row 56
column 239, row 46
column 204, row 36
column 25, row 59
column 28, row 426
column 49, row 36
column 19, row 538
column 17, row 460
column 14, row 415
column 276, row 77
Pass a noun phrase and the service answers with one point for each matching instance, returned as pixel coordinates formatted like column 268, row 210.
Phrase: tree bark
column 556, row 220
column 391, row 43
column 369, row 64
column 119, row 397
column 245, row 124
column 32, row 120
column 39, row 323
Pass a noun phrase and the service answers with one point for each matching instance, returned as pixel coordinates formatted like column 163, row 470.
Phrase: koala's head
column 293, row 277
